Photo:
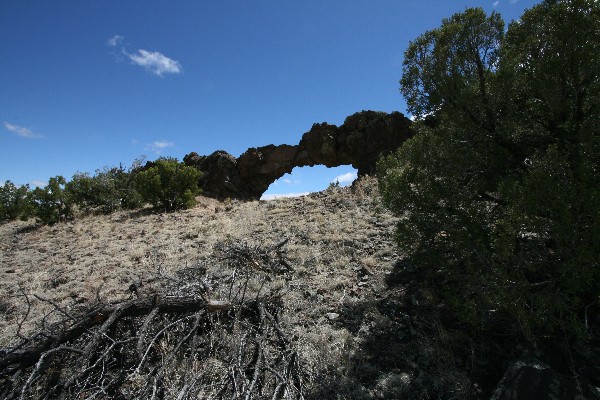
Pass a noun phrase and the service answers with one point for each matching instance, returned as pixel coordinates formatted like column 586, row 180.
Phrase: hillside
column 353, row 336
column 311, row 289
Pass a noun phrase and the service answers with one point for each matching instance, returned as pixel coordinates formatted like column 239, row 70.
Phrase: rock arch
column 360, row 141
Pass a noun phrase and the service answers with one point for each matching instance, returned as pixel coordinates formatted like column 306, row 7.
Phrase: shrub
column 52, row 204
column 81, row 192
column 168, row 184
column 14, row 202
column 108, row 190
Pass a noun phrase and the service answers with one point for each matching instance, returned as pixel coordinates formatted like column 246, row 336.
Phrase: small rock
column 332, row 316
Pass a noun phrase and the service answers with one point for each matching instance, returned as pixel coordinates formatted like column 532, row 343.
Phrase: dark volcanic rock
column 360, row 141
column 220, row 173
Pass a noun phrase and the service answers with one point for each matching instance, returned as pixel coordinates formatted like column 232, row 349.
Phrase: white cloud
column 344, row 178
column 495, row 4
column 152, row 61
column 291, row 182
column 114, row 41
column 159, row 145
column 22, row 131
column 37, row 182
column 282, row 196
column 155, row 62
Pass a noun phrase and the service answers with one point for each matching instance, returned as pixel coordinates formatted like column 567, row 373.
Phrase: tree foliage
column 14, row 202
column 52, row 204
column 168, row 184
column 550, row 70
column 110, row 189
column 449, row 69
column 165, row 183
column 499, row 197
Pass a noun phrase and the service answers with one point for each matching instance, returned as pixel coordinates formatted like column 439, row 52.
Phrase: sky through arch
column 304, row 180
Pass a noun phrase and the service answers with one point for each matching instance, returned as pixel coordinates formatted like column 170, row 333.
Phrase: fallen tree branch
column 23, row 358
column 165, row 345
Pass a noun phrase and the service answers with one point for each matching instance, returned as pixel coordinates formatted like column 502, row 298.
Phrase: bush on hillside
column 14, row 202
column 52, row 204
column 168, row 184
column 107, row 191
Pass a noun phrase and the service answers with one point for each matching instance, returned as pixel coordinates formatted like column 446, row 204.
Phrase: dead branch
column 24, row 358
column 166, row 346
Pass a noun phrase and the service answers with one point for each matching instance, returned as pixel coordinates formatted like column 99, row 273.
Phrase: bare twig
column 143, row 330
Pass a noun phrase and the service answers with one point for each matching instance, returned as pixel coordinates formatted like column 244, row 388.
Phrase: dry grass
column 330, row 235
column 348, row 324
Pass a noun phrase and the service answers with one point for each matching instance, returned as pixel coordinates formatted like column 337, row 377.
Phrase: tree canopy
column 498, row 191
column 169, row 185
column 449, row 69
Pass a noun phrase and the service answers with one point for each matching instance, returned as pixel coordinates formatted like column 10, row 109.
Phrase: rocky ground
column 360, row 319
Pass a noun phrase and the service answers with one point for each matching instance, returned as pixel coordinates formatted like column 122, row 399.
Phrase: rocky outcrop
column 360, row 141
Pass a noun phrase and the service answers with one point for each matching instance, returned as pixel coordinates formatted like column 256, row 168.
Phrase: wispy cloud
column 155, row 62
column 291, row 182
column 158, row 146
column 344, row 178
column 38, row 182
column 22, row 131
column 495, row 4
column 282, row 196
column 114, row 41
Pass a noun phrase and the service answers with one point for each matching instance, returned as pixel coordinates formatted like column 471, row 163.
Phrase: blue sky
column 88, row 84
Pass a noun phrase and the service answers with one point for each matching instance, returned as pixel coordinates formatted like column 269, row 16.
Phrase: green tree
column 549, row 71
column 80, row 189
column 110, row 189
column 124, row 184
column 52, row 204
column 499, row 197
column 168, row 184
column 14, row 202
column 547, row 240
column 450, row 69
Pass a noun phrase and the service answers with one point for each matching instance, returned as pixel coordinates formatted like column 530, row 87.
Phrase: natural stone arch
column 360, row 141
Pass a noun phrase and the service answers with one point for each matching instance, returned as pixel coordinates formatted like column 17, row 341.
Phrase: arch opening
column 305, row 180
